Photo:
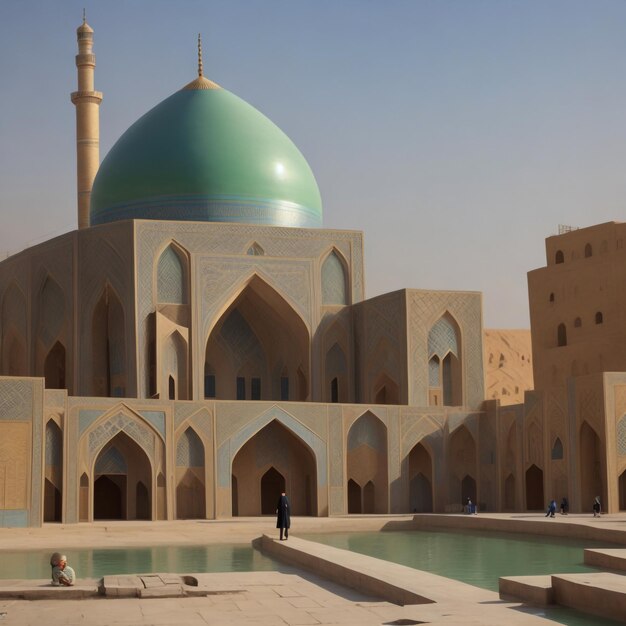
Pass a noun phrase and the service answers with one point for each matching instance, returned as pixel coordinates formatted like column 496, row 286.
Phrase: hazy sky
column 456, row 134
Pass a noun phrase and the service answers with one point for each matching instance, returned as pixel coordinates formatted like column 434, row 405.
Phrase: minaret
column 87, row 103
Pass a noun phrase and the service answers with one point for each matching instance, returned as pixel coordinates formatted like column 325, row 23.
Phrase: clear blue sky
column 456, row 134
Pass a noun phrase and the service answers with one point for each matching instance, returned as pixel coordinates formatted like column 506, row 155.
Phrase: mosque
column 201, row 342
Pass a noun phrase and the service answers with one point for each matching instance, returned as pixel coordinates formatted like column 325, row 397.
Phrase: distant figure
column 283, row 516
column 551, row 509
column 596, row 507
column 564, row 506
column 470, row 507
column 62, row 573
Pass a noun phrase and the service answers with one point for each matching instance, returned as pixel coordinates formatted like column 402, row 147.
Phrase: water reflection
column 102, row 562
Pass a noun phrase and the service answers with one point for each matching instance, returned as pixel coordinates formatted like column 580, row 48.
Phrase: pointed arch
column 50, row 360
column 172, row 275
column 588, row 250
column 590, row 466
column 561, row 335
column 257, row 336
column 420, row 479
column 122, row 480
column 367, row 459
column 174, row 367
column 557, row 450
column 445, row 362
column 254, row 249
column 386, row 390
column 559, row 257
column 54, row 367
column 108, row 346
column 190, row 476
column 462, row 455
column 272, row 459
column 335, row 287
column 53, row 487
column 534, row 488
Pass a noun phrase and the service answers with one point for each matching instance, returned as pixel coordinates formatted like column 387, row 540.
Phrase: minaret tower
column 87, row 103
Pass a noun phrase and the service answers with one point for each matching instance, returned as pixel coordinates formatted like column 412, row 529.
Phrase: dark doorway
column 421, row 494
column 109, row 497
column 354, row 497
column 272, row 485
column 235, row 493
column 534, row 489
column 143, row 502
column 52, row 503
column 468, row 489
column 369, row 500
column 622, row 491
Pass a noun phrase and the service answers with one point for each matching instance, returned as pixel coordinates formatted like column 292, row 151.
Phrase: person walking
column 596, row 507
column 564, row 506
column 551, row 509
column 283, row 515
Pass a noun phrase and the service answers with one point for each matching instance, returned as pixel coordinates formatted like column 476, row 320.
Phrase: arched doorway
column 420, row 477
column 123, row 481
column 53, row 484
column 277, row 449
column 534, row 489
column 367, row 462
column 462, row 467
column 354, row 497
column 190, row 490
column 590, row 467
column 54, row 367
column 257, row 339
column 272, row 485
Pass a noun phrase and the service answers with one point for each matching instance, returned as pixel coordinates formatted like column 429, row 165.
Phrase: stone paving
column 287, row 597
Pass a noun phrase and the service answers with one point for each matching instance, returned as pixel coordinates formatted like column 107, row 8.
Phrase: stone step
column 535, row 590
column 44, row 590
column 598, row 593
column 606, row 558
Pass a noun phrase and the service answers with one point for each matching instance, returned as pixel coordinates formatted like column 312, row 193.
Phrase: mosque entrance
column 420, row 475
column 590, row 467
column 273, row 460
column 367, row 465
column 123, row 481
column 272, row 485
column 259, row 349
column 534, row 489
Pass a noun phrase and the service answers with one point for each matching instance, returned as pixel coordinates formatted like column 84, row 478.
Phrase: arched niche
column 108, row 346
column 174, row 367
column 462, row 463
column 257, row 337
column 335, row 289
column 53, row 483
column 122, row 481
column 54, row 367
column 367, row 459
column 272, row 485
column 534, row 489
column 50, row 313
column 590, row 467
column 420, row 480
column 621, row 490
column 277, row 447
column 559, row 257
column 557, row 450
column 190, row 477
column 561, row 335
column 445, row 362
column 172, row 276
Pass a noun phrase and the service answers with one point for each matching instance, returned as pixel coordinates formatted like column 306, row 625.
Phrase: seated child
column 62, row 573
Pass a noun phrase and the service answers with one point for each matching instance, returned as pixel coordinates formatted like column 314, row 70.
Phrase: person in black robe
column 283, row 517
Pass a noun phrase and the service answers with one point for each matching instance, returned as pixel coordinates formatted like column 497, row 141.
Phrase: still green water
column 175, row 559
column 478, row 559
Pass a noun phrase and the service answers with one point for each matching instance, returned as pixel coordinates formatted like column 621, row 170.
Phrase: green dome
column 204, row 154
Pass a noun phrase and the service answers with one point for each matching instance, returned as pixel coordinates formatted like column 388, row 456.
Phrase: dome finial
column 199, row 55
column 84, row 15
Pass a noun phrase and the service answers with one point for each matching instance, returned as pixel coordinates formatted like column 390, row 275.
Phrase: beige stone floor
column 269, row 598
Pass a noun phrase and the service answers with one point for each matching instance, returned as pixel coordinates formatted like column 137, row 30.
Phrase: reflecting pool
column 476, row 558
column 102, row 562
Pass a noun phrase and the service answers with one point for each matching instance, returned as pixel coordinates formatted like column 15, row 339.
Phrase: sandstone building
column 201, row 342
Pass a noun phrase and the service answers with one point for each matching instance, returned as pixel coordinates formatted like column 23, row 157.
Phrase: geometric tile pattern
column 621, row 436
column 16, row 401
column 171, row 284
column 334, row 287
column 111, row 462
column 189, row 451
